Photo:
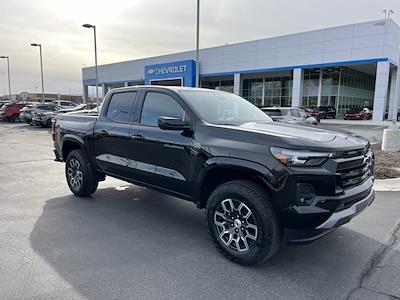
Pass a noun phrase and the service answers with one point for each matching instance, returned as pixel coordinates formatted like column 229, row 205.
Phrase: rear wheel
column 242, row 222
column 81, row 177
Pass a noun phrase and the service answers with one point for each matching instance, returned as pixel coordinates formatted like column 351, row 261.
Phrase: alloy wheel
column 236, row 225
column 74, row 172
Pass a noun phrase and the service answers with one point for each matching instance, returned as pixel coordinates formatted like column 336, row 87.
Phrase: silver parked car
column 65, row 104
column 26, row 114
column 291, row 115
column 83, row 106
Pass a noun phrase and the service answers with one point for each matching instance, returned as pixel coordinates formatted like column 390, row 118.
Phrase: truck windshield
column 222, row 108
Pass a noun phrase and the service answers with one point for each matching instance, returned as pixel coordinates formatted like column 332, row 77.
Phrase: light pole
column 197, row 45
column 41, row 67
column 8, row 70
column 95, row 62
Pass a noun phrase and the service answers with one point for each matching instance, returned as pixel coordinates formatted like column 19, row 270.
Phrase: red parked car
column 358, row 114
column 10, row 112
column 312, row 112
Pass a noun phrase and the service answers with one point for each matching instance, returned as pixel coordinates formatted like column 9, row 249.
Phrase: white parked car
column 65, row 104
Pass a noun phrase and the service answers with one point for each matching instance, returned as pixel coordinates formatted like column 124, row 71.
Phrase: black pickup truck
column 259, row 181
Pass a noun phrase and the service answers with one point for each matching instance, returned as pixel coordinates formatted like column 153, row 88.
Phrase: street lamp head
column 35, row 45
column 87, row 25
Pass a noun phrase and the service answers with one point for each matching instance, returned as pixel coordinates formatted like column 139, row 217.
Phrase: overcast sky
column 140, row 28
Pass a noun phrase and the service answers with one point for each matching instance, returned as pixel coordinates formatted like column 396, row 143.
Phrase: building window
column 222, row 85
column 341, row 87
column 269, row 91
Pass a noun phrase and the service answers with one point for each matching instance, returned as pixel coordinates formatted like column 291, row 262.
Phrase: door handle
column 138, row 137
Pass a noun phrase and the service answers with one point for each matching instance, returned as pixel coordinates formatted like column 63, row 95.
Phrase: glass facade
column 356, row 90
column 341, row 87
column 311, row 87
column 330, row 86
column 268, row 91
column 223, row 85
column 329, row 83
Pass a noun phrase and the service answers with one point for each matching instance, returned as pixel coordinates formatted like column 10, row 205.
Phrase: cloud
column 136, row 29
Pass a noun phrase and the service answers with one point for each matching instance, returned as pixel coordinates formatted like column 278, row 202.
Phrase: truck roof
column 171, row 88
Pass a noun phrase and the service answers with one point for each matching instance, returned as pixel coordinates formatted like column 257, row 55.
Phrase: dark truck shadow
column 140, row 244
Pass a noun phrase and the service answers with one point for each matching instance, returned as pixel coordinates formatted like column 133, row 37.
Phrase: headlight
column 298, row 158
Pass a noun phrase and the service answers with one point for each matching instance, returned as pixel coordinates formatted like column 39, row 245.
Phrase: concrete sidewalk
column 357, row 122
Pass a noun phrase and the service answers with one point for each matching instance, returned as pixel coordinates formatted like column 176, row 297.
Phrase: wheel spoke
column 252, row 236
column 222, row 235
column 227, row 205
column 246, row 245
column 219, row 215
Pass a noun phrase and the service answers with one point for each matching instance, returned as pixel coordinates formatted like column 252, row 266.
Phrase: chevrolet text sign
column 169, row 70
column 184, row 70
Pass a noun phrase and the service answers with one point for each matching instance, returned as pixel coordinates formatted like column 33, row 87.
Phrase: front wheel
column 81, row 177
column 242, row 222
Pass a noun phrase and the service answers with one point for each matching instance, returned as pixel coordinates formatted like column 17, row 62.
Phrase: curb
column 387, row 185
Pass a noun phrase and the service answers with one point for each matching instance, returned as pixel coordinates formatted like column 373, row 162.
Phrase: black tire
column 81, row 185
column 268, row 234
column 48, row 124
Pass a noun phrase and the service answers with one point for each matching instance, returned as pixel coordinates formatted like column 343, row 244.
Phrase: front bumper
column 37, row 121
column 337, row 219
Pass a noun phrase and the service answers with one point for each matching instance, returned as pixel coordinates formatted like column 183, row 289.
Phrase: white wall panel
column 337, row 33
column 339, row 44
column 311, row 48
column 369, row 40
column 367, row 53
column 312, row 36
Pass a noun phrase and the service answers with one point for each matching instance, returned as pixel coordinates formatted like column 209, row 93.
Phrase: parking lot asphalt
column 127, row 242
column 373, row 133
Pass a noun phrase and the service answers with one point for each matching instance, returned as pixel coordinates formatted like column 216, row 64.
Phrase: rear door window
column 295, row 113
column 120, row 107
column 273, row 112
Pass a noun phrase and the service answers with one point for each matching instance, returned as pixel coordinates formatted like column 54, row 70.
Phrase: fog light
column 305, row 194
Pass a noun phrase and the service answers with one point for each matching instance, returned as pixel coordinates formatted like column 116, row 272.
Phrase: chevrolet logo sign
column 151, row 71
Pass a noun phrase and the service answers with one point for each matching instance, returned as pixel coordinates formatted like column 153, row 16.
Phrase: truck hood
column 304, row 136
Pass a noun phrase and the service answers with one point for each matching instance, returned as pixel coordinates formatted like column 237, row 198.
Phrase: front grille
column 354, row 167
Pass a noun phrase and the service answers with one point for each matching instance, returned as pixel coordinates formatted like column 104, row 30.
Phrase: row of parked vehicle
column 39, row 114
column 300, row 115
column 313, row 115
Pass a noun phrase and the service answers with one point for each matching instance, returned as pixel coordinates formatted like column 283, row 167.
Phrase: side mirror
column 171, row 123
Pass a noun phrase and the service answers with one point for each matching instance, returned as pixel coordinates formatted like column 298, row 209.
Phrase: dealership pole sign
column 186, row 70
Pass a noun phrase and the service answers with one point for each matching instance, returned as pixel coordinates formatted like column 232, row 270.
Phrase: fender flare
column 72, row 138
column 263, row 173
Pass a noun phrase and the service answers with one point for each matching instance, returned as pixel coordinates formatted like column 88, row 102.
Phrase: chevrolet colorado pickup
column 260, row 182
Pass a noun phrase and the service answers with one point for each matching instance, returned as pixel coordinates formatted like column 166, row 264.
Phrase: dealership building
column 346, row 67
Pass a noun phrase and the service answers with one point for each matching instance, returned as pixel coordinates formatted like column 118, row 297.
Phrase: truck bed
column 80, row 123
